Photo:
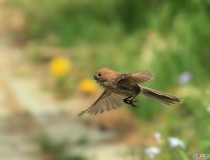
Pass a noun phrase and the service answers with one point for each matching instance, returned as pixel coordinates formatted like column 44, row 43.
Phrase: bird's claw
column 131, row 102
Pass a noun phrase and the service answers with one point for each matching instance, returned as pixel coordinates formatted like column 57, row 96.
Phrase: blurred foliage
column 166, row 37
column 56, row 150
column 121, row 27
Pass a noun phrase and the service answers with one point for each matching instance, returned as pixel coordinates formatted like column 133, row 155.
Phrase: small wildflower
column 208, row 109
column 152, row 151
column 185, row 77
column 176, row 142
column 87, row 85
column 157, row 136
column 60, row 66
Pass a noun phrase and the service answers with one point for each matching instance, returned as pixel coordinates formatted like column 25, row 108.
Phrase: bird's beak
column 95, row 77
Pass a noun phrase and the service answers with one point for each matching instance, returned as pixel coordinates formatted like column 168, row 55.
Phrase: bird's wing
column 141, row 76
column 107, row 101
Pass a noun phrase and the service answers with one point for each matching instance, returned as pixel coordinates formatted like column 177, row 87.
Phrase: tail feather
column 160, row 96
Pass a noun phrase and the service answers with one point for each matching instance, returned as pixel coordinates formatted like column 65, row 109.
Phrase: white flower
column 157, row 136
column 176, row 142
column 152, row 151
column 185, row 77
column 208, row 109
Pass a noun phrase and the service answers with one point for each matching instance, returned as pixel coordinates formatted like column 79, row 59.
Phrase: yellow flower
column 87, row 85
column 60, row 66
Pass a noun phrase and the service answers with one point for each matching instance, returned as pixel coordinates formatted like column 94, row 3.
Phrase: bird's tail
column 160, row 96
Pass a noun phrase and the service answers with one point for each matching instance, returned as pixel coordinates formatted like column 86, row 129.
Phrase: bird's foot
column 133, row 103
column 130, row 102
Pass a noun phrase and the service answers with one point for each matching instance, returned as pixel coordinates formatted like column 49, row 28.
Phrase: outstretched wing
column 141, row 76
column 107, row 101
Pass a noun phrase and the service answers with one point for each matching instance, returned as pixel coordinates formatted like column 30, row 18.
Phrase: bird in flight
column 122, row 89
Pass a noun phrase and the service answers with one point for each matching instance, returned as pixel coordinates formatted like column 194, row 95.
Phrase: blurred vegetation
column 56, row 150
column 166, row 37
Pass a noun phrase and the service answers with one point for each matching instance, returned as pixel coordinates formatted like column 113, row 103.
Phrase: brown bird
column 122, row 88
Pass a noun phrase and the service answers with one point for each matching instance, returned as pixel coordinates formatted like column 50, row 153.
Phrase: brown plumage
column 122, row 89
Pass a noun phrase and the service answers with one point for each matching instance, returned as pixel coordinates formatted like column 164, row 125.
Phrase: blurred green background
column 169, row 38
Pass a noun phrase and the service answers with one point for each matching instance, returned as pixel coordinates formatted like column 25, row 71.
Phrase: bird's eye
column 99, row 74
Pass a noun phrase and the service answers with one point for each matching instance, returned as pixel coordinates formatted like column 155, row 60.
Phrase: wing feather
column 106, row 102
column 141, row 76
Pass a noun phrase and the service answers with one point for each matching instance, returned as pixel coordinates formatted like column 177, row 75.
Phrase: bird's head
column 105, row 75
